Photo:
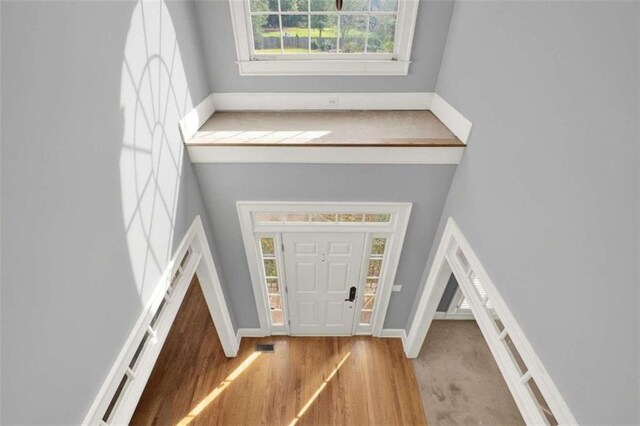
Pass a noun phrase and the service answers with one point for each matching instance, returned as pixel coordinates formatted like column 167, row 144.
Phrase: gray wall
column 429, row 41
column 223, row 185
column 449, row 293
column 71, row 285
column 547, row 190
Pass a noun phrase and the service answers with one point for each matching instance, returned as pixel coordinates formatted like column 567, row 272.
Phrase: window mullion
column 309, row 26
column 281, row 31
column 338, row 35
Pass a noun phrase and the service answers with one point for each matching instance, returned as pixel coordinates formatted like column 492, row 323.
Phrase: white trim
column 200, row 263
column 324, row 155
column 453, row 316
column 445, row 263
column 248, row 332
column 450, row 117
column 195, row 118
column 396, row 231
column 319, row 67
column 321, row 101
column 249, row 65
column 397, row 333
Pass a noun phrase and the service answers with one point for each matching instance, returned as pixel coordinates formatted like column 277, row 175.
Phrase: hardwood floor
column 306, row 381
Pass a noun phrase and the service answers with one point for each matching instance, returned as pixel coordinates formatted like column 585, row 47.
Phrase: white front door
column 320, row 270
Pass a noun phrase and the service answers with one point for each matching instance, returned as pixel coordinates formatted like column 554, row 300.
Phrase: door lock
column 352, row 295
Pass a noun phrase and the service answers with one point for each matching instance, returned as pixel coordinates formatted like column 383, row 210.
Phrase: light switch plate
column 397, row 287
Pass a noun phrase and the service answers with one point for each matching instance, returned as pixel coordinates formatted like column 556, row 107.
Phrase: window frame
column 323, row 64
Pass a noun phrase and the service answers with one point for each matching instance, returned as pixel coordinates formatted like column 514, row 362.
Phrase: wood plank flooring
column 306, row 381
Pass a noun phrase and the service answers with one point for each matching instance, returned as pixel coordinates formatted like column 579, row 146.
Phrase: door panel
column 307, row 277
column 338, row 277
column 320, row 269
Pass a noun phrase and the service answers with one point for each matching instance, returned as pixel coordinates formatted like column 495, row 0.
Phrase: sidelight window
column 272, row 279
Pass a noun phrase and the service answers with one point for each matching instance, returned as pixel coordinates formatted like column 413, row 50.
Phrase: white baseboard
column 454, row 317
column 450, row 117
column 248, row 332
column 195, row 118
column 321, row 101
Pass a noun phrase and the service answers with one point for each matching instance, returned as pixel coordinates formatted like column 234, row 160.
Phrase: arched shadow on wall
column 154, row 97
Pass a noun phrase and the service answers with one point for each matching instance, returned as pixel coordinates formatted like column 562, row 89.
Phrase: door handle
column 352, row 295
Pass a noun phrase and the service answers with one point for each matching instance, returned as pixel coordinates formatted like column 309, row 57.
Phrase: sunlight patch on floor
column 217, row 391
column 319, row 391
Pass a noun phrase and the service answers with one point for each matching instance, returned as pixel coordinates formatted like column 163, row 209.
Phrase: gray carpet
column 459, row 380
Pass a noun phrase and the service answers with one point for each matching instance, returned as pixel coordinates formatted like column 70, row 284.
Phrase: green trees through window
column 315, row 26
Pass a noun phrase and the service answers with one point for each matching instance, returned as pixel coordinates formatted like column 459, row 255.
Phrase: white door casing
column 320, row 270
column 253, row 228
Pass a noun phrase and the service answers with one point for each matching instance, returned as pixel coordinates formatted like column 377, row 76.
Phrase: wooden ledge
column 325, row 129
column 346, row 137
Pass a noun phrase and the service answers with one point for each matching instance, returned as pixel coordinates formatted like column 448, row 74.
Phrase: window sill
column 320, row 67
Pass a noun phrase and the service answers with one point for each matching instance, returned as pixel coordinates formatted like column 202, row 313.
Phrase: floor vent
column 265, row 348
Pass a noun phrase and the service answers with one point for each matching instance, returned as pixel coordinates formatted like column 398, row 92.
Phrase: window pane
column 384, row 5
column 365, row 317
column 517, row 359
column 277, row 318
column 371, row 286
column 367, row 304
column 498, row 323
column 272, row 286
column 374, row 267
column 275, row 303
column 324, row 31
column 350, row 217
column 323, row 5
column 268, row 247
column 464, row 304
column 355, row 5
column 268, row 217
column 377, row 218
column 463, row 260
column 266, row 33
column 323, row 217
column 293, row 5
column 377, row 248
column 382, row 30
column 270, row 269
column 264, row 5
column 295, row 33
column 476, row 283
column 297, row 217
column 542, row 403
column 353, row 32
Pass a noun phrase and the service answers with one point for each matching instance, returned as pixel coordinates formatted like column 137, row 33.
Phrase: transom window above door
column 304, row 218
column 316, row 37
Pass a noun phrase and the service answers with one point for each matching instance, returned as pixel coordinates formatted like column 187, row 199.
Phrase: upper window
column 330, row 37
